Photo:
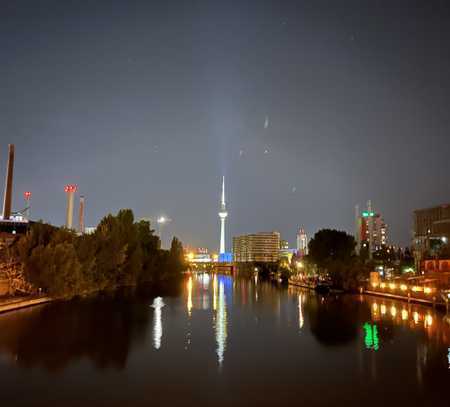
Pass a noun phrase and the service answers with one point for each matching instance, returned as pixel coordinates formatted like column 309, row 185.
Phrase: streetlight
column 161, row 221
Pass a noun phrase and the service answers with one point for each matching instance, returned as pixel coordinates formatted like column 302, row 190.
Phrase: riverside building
column 257, row 247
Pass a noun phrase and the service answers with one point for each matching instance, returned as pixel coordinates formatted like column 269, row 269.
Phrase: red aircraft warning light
column 70, row 188
column 27, row 195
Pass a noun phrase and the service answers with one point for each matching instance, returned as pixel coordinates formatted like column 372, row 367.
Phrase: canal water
column 223, row 341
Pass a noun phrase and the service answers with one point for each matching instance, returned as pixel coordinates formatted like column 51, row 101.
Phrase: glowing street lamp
column 161, row 221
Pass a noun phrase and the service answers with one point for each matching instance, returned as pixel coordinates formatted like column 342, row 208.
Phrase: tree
column 121, row 252
column 333, row 253
column 331, row 245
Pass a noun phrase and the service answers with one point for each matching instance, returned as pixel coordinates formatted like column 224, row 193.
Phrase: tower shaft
column 222, row 216
column 222, row 236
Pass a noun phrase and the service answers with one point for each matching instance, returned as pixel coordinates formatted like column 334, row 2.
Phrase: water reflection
column 55, row 335
column 157, row 305
column 301, row 320
column 292, row 339
column 215, row 292
column 221, row 324
column 334, row 320
column 412, row 315
column 189, row 296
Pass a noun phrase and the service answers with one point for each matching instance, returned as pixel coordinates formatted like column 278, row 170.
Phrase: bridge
column 213, row 267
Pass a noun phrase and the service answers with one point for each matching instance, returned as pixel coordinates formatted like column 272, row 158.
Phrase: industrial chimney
column 81, row 214
column 70, row 191
column 27, row 197
column 7, row 198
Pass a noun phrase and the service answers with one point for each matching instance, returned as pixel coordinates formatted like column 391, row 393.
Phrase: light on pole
column 162, row 220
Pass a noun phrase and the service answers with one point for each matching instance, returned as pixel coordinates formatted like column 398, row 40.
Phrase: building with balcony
column 431, row 235
column 257, row 247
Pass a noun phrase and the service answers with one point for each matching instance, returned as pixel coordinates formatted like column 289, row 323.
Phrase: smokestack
column 70, row 191
column 81, row 214
column 7, row 198
column 27, row 196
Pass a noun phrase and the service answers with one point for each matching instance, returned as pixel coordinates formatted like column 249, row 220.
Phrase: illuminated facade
column 259, row 247
column 302, row 243
column 372, row 231
column 431, row 233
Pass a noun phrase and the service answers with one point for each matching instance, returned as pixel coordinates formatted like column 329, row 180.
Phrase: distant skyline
column 306, row 107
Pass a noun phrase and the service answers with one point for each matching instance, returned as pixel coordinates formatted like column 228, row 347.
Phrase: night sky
column 307, row 108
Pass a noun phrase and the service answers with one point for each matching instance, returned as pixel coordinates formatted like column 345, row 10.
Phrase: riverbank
column 410, row 299
column 13, row 304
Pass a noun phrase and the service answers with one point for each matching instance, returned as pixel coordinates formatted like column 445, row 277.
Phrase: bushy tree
column 333, row 253
column 121, row 252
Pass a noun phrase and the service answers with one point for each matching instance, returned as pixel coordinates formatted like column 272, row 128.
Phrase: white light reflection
column 301, row 320
column 158, row 303
column 221, row 324
column 189, row 298
column 205, row 280
column 215, row 292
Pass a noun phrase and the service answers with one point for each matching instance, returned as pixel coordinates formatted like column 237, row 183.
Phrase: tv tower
column 222, row 215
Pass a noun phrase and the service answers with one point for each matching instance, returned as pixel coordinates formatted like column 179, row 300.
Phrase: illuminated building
column 259, row 247
column 302, row 243
column 371, row 230
column 222, row 215
column 431, row 233
column 286, row 253
column 88, row 230
column 198, row 255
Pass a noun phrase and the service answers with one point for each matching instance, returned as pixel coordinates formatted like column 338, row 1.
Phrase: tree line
column 332, row 254
column 121, row 252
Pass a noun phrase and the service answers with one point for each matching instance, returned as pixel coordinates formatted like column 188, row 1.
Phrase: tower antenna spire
column 223, row 192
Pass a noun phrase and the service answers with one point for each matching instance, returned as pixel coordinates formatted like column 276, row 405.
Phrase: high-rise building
column 302, row 242
column 372, row 231
column 260, row 247
column 222, row 216
column 431, row 232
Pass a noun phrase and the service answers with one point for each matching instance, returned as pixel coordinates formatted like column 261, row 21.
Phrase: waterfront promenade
column 15, row 303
